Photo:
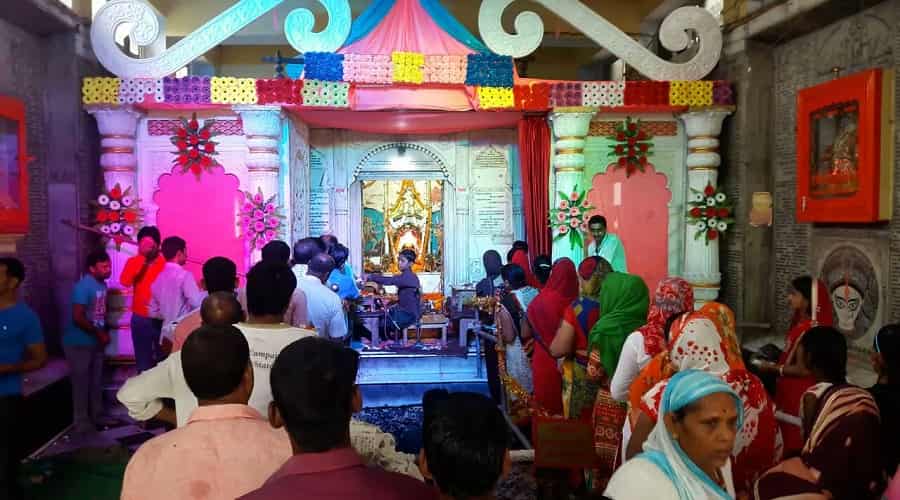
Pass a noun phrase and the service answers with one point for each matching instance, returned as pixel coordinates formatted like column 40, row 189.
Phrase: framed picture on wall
column 13, row 167
column 845, row 149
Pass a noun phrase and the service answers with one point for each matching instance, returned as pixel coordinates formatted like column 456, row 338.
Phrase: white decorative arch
column 442, row 169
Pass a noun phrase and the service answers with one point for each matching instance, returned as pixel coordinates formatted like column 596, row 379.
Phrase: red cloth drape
column 534, row 155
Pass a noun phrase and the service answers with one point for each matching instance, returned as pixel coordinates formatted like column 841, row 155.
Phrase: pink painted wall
column 204, row 213
column 636, row 209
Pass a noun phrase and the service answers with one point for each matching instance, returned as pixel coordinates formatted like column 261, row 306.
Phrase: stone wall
column 45, row 71
column 761, row 156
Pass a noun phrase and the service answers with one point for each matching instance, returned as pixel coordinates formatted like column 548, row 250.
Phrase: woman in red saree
column 519, row 257
column 702, row 341
column 544, row 316
column 811, row 307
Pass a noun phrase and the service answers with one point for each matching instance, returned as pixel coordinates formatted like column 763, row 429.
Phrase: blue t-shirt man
column 345, row 281
column 19, row 328
column 91, row 294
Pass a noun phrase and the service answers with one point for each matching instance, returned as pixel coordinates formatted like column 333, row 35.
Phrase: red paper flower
column 632, row 127
column 620, row 136
column 205, row 134
column 195, row 140
column 130, row 216
column 181, row 145
column 632, row 141
column 712, row 234
column 182, row 160
column 709, row 191
column 206, row 161
column 695, row 212
column 620, row 149
column 643, row 161
column 115, row 193
column 710, row 212
column 182, row 133
column 101, row 216
column 644, row 147
column 196, row 169
column 623, row 161
column 194, row 154
column 631, row 151
column 193, row 125
column 723, row 212
column 210, row 147
column 642, row 136
column 112, row 216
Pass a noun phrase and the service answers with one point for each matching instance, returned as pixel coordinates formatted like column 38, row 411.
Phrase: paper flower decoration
column 646, row 93
column 326, row 94
column 565, row 94
column 194, row 146
column 722, row 93
column 631, row 146
column 682, row 93
column 533, row 97
column 187, row 90
column 325, row 66
column 100, row 90
column 711, row 212
column 279, row 91
column 408, row 67
column 489, row 70
column 228, row 90
column 570, row 217
column 259, row 219
column 363, row 68
column 117, row 214
column 449, row 69
column 496, row 98
column 137, row 90
column 597, row 94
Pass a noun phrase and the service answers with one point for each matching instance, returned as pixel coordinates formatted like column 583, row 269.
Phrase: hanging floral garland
column 570, row 217
column 632, row 146
column 117, row 214
column 711, row 212
column 195, row 147
column 259, row 219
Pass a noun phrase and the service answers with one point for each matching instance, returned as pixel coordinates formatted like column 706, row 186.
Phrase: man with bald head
column 326, row 311
column 221, row 309
column 219, row 275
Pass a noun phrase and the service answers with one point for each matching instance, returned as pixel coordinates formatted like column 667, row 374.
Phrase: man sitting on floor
column 315, row 395
column 226, row 449
column 465, row 444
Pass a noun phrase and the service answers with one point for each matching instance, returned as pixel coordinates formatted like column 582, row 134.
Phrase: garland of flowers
column 632, row 146
column 259, row 220
column 117, row 214
column 711, row 212
column 570, row 217
column 195, row 147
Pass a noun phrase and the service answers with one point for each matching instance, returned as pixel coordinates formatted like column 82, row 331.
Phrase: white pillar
column 701, row 260
column 570, row 130
column 263, row 130
column 118, row 129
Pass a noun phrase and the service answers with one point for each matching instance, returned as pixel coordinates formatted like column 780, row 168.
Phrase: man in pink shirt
column 315, row 394
column 219, row 275
column 226, row 449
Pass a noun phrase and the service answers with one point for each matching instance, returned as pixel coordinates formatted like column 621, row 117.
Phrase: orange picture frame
column 14, row 217
column 845, row 149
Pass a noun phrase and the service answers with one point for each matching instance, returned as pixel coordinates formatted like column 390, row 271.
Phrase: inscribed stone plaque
column 319, row 195
column 491, row 212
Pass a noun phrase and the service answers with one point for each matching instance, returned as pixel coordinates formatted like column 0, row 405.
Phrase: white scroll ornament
column 299, row 23
column 672, row 34
column 145, row 30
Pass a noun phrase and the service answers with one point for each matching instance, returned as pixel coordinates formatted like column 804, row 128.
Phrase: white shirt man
column 174, row 293
column 324, row 307
column 610, row 246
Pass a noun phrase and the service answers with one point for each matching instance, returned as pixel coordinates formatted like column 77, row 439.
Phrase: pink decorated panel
column 636, row 209
column 203, row 211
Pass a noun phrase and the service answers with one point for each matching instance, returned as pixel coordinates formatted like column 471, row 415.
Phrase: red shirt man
column 140, row 272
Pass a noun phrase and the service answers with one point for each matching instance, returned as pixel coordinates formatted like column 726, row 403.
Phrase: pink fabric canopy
column 407, row 122
column 407, row 28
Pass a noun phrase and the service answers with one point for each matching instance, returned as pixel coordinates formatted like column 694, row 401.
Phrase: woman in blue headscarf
column 687, row 456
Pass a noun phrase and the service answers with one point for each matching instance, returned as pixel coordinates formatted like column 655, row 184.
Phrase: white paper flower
column 698, row 197
column 127, row 201
column 720, row 197
column 115, row 227
column 103, row 200
column 114, row 205
column 721, row 226
column 710, row 202
column 712, row 221
column 701, row 226
column 128, row 230
column 105, row 229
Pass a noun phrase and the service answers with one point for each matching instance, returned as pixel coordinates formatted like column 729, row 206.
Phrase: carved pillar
column 570, row 130
column 118, row 129
column 262, row 129
column 701, row 260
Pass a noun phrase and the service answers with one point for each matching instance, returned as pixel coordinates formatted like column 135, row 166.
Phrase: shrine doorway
column 400, row 195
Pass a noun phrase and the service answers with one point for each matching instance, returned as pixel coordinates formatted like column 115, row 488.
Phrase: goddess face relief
column 847, row 302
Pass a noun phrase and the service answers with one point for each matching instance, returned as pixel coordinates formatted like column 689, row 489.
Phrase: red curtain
column 534, row 154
